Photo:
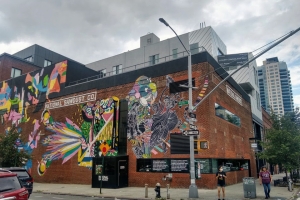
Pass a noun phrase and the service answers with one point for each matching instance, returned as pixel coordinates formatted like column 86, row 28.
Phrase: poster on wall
column 181, row 165
column 99, row 169
column 160, row 165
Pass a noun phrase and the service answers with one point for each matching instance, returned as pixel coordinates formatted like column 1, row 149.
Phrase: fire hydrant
column 157, row 190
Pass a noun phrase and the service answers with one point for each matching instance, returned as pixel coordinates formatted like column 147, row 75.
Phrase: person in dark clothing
column 220, row 176
column 265, row 178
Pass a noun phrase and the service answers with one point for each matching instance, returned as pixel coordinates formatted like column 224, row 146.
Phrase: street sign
column 190, row 132
column 183, row 103
column 254, row 145
column 193, row 127
column 192, row 119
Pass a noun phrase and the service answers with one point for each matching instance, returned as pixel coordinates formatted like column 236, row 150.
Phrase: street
column 41, row 196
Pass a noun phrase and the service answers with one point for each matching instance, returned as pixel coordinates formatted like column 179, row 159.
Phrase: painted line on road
column 57, row 198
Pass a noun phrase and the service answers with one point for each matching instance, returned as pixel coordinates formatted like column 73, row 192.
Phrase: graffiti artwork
column 150, row 121
column 95, row 135
column 18, row 94
column 149, row 133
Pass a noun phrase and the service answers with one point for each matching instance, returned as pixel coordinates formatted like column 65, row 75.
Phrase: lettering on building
column 234, row 95
column 71, row 100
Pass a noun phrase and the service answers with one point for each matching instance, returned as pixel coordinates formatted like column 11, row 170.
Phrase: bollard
column 168, row 191
column 157, row 190
column 146, row 190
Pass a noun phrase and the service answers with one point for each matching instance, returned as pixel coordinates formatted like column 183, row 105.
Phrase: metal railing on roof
column 138, row 66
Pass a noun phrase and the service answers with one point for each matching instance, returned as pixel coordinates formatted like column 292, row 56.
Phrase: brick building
column 133, row 120
column 12, row 66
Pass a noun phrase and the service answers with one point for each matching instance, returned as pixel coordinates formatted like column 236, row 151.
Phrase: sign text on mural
column 71, row 100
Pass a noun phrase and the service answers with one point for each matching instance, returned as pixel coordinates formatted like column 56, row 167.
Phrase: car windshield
column 21, row 174
column 9, row 183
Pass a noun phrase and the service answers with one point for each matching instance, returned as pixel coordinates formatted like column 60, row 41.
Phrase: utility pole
column 193, row 190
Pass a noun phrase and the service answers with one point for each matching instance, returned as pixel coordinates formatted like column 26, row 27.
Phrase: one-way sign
column 190, row 132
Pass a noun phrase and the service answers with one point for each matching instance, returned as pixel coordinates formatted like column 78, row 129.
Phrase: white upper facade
column 246, row 77
column 153, row 51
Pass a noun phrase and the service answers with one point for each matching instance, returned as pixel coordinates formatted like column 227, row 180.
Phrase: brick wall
column 226, row 140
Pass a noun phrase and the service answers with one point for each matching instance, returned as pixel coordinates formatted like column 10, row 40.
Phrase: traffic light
column 202, row 145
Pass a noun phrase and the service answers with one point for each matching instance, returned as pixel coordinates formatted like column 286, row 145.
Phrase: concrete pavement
column 233, row 192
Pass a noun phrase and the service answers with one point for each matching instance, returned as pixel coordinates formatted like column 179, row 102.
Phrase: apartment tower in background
column 275, row 86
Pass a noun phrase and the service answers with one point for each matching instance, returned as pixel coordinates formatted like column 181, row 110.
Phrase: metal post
column 146, row 190
column 168, row 191
column 101, row 174
column 193, row 190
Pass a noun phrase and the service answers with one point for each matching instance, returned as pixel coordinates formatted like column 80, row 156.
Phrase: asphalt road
column 40, row 196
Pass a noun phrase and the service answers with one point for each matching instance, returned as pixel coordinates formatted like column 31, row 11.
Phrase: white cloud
column 297, row 100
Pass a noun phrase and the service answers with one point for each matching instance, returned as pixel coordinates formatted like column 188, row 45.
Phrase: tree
column 10, row 156
column 282, row 141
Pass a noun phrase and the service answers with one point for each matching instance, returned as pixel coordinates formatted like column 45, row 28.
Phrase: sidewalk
column 233, row 192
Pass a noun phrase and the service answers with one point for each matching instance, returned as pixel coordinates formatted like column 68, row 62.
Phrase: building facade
column 247, row 78
column 275, row 86
column 40, row 56
column 135, row 121
column 12, row 66
column 153, row 51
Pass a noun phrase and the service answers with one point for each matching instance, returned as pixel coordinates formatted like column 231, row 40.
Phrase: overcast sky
column 90, row 30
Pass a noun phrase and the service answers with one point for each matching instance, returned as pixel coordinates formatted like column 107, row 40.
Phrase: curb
column 85, row 195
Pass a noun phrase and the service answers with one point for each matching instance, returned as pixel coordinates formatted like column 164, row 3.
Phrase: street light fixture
column 193, row 190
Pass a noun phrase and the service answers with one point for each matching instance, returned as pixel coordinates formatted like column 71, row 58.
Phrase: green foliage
column 282, row 141
column 10, row 155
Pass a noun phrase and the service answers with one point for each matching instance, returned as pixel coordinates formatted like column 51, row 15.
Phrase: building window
column 220, row 53
column 102, row 73
column 149, row 41
column 117, row 69
column 258, row 101
column 15, row 72
column 194, row 48
column 174, row 51
column 29, row 59
column 153, row 59
column 227, row 115
column 47, row 63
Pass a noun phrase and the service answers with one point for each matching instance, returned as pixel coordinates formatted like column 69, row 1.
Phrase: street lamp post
column 193, row 190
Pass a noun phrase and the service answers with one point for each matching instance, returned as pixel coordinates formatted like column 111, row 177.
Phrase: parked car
column 24, row 177
column 11, row 187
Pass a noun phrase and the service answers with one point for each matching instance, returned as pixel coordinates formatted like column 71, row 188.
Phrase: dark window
column 175, row 86
column 47, row 63
column 102, row 73
column 15, row 72
column 227, row 115
column 179, row 144
column 153, row 59
column 174, row 52
column 29, row 59
column 117, row 69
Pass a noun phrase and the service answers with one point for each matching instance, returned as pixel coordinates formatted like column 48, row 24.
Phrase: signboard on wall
column 71, row 100
column 233, row 59
column 160, row 165
column 181, row 165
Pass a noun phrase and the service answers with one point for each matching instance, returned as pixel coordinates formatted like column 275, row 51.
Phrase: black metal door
column 122, row 173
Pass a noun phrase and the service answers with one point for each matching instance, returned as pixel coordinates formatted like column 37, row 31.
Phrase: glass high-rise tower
column 275, row 86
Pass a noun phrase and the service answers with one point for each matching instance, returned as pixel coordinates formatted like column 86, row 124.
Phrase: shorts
column 221, row 184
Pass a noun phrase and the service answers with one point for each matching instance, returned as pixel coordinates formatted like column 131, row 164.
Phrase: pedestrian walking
column 265, row 178
column 220, row 176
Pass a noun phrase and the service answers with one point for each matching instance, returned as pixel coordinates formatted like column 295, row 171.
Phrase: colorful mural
column 96, row 134
column 148, row 133
column 17, row 94
column 150, row 121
